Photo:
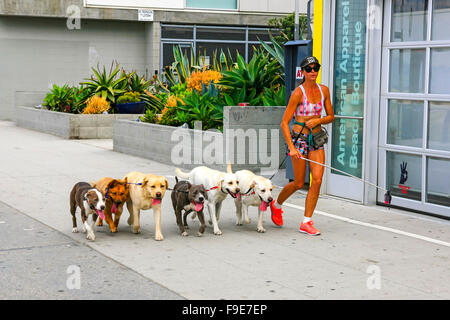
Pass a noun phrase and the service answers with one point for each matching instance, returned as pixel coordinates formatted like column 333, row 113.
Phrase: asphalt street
column 38, row 262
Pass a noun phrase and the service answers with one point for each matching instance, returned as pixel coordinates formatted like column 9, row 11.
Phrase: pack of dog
column 202, row 187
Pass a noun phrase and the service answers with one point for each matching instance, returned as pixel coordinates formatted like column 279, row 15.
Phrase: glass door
column 349, row 66
column 414, row 139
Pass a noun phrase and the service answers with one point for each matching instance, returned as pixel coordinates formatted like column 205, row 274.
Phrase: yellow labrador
column 146, row 192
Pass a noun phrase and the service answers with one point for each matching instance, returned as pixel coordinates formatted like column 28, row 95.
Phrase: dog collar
column 245, row 194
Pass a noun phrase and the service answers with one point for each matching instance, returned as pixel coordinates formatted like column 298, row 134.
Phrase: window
column 208, row 4
column 405, row 123
column 441, row 16
column 205, row 40
column 415, row 136
column 409, row 20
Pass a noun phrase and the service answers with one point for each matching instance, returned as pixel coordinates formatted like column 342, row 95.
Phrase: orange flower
column 198, row 78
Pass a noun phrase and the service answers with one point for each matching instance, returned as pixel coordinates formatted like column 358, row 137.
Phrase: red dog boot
column 276, row 215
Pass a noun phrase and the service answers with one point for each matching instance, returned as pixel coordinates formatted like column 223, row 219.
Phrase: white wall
column 264, row 6
column 165, row 4
column 276, row 6
column 38, row 52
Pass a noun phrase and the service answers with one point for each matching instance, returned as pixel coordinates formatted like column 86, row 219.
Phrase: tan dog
column 146, row 192
column 116, row 193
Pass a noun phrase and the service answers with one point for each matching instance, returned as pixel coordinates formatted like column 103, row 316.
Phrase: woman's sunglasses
column 308, row 69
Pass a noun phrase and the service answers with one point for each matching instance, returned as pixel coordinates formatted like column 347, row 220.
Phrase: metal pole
column 296, row 30
column 308, row 21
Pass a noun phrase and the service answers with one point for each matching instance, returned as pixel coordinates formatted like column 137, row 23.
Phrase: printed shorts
column 302, row 144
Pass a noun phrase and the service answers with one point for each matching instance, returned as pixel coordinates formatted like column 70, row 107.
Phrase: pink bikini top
column 307, row 108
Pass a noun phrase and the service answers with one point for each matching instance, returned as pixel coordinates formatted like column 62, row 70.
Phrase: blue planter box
column 131, row 108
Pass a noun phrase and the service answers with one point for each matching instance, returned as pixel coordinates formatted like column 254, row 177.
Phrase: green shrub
column 149, row 116
column 129, row 97
column 60, row 98
column 169, row 117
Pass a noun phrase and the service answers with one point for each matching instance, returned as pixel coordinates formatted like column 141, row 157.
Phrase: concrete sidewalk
column 410, row 252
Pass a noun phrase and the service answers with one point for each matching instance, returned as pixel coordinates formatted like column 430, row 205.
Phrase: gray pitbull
column 189, row 197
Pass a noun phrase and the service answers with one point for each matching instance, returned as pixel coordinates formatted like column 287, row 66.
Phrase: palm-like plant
column 107, row 85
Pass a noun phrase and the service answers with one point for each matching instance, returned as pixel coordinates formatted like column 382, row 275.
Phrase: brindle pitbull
column 189, row 197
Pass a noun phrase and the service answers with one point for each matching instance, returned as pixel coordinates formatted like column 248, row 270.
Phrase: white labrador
column 218, row 185
column 255, row 191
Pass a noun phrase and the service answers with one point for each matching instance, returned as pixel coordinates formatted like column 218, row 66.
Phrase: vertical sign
column 349, row 75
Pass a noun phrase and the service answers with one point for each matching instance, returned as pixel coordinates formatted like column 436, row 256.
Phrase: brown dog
column 146, row 192
column 116, row 193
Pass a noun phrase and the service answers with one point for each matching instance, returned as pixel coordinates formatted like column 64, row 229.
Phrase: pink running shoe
column 309, row 229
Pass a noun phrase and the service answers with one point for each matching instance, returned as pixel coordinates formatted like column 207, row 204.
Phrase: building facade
column 387, row 64
column 58, row 41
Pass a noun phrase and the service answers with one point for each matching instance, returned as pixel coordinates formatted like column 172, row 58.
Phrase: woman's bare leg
column 299, row 166
column 316, row 174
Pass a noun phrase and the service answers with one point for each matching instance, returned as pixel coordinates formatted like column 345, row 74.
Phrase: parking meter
column 294, row 53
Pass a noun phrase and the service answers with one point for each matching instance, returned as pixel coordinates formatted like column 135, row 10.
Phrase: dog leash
column 298, row 136
column 387, row 194
column 216, row 187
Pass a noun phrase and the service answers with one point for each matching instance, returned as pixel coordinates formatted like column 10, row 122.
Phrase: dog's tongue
column 101, row 214
column 263, row 206
column 156, row 201
column 114, row 208
column 238, row 195
column 198, row 206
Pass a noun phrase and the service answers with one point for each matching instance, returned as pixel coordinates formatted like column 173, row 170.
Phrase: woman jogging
column 305, row 104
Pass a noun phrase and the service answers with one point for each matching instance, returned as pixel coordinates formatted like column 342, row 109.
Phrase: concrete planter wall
column 67, row 125
column 252, row 139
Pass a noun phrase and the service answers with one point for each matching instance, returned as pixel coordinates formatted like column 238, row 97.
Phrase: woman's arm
column 294, row 100
column 328, row 107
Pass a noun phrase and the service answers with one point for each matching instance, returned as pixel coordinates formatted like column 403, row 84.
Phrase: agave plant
column 181, row 68
column 251, row 79
column 223, row 62
column 274, row 96
column 203, row 108
column 138, row 84
column 155, row 102
column 107, row 85
column 277, row 52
